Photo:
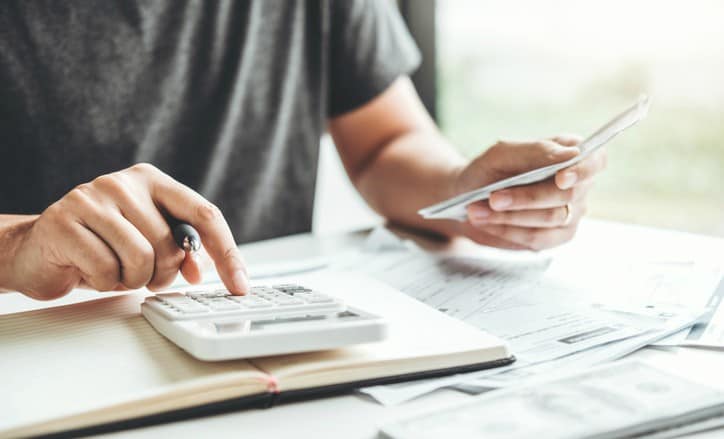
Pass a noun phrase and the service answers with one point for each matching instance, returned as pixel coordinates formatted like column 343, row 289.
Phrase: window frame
column 419, row 15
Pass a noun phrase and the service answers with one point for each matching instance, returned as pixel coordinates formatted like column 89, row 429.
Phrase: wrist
column 453, row 187
column 456, row 184
column 13, row 229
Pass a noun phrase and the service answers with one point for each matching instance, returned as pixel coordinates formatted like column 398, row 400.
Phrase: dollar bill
column 624, row 399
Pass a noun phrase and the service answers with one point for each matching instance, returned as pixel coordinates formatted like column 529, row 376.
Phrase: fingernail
column 501, row 200
column 568, row 179
column 240, row 281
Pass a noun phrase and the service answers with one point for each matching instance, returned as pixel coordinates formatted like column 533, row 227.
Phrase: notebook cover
column 268, row 400
column 340, row 388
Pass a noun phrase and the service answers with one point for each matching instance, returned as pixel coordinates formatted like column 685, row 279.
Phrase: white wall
column 338, row 206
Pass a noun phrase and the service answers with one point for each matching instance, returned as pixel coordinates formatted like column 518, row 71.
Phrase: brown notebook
column 100, row 366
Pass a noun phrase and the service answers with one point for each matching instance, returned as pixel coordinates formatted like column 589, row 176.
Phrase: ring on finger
column 569, row 214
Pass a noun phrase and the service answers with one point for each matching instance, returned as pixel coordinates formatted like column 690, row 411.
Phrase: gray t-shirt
column 228, row 97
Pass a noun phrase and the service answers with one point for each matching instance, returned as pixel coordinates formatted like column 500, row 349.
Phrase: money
column 624, row 399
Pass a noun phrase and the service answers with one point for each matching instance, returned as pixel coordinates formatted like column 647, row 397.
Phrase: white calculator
column 214, row 325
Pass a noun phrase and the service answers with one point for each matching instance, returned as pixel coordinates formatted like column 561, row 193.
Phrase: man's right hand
column 112, row 234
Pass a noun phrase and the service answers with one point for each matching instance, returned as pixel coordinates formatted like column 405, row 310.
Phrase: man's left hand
column 535, row 216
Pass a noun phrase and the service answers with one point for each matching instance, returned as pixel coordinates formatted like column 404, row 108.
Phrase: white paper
column 521, row 371
column 459, row 287
column 689, row 429
column 585, row 359
column 654, row 285
column 454, row 208
column 614, row 401
column 539, row 318
column 711, row 334
column 528, row 305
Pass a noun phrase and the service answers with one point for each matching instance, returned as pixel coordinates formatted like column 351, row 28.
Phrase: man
column 224, row 103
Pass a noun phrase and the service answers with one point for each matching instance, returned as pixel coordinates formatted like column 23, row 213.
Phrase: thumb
column 191, row 268
column 567, row 139
column 510, row 157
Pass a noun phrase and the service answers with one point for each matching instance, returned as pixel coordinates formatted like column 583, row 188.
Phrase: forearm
column 399, row 161
column 11, row 232
column 413, row 170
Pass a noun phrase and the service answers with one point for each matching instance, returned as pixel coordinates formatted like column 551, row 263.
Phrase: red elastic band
column 272, row 384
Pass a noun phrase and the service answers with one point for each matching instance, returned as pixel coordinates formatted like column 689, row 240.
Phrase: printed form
column 550, row 325
column 540, row 319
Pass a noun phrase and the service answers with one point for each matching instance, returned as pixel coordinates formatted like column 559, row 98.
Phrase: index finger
column 185, row 204
column 582, row 171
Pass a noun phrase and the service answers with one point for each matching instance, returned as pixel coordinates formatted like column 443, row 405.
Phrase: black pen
column 186, row 237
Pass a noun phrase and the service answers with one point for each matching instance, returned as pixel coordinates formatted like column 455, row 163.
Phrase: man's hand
column 112, row 234
column 535, row 216
column 399, row 161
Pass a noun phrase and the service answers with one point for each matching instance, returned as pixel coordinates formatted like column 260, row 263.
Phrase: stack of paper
column 626, row 399
column 550, row 325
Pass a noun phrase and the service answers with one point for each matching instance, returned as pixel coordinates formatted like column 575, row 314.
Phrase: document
column 519, row 373
column 545, row 312
column 522, row 371
column 624, row 399
column 548, row 331
column 654, row 284
column 711, row 332
column 541, row 319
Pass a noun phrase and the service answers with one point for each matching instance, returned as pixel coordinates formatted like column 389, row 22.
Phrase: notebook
column 99, row 366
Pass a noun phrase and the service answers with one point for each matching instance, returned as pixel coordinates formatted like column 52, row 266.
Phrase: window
column 529, row 69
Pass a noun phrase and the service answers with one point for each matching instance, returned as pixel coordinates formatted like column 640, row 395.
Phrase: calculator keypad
column 262, row 301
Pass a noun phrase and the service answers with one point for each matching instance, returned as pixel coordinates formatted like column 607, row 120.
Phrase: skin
column 111, row 233
column 404, row 163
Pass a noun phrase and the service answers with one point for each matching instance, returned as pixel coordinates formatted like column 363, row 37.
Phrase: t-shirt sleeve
column 370, row 48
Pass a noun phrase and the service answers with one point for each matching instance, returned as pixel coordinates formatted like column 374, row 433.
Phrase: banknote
column 624, row 399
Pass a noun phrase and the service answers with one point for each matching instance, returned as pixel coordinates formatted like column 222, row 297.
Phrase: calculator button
column 288, row 302
column 251, row 302
column 262, row 301
column 164, row 296
column 186, row 308
column 318, row 298
column 288, row 288
column 222, row 305
column 184, row 304
column 194, row 293
column 208, row 295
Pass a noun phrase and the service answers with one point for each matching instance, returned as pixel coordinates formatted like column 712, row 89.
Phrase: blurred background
column 531, row 69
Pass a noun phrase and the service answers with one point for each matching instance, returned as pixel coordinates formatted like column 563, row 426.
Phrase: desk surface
column 353, row 416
